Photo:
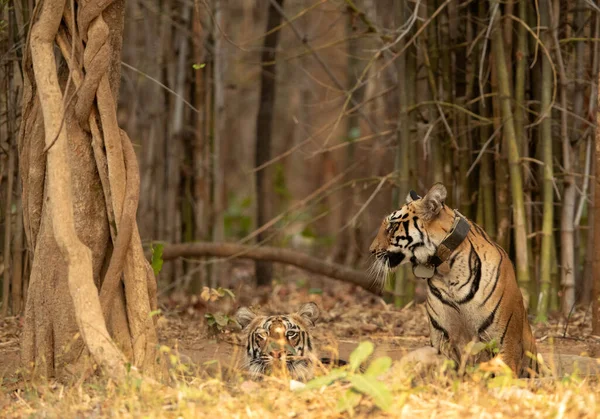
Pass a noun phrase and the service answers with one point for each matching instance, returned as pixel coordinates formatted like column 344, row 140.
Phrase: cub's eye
column 261, row 336
column 291, row 334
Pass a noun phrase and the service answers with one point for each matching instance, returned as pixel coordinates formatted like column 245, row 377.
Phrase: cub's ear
column 433, row 202
column 244, row 316
column 310, row 312
column 412, row 196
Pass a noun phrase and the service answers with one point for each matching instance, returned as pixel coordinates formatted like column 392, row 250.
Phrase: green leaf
column 373, row 388
column 360, row 354
column 315, row 291
column 210, row 319
column 157, row 260
column 325, row 380
column 198, row 66
column 379, row 366
column 228, row 292
column 221, row 319
column 348, row 401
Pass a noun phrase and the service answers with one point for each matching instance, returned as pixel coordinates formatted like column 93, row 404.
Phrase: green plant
column 157, row 260
column 217, row 322
column 360, row 384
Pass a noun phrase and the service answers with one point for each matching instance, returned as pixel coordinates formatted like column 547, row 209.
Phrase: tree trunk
column 201, row 151
column 596, row 231
column 219, row 125
column 567, row 244
column 516, row 182
column 590, row 249
column 264, row 122
column 80, row 187
column 6, row 279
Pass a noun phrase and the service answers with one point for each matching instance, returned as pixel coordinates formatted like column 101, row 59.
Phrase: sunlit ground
column 206, row 383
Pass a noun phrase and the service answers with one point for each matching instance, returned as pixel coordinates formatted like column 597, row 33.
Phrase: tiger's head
column 279, row 343
column 412, row 233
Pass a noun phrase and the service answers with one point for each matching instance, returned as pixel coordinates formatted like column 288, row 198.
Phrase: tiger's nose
column 277, row 354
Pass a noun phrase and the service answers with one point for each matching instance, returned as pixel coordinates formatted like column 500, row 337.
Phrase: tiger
column 281, row 343
column 472, row 292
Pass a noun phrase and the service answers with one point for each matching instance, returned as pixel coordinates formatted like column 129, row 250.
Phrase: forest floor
column 207, row 385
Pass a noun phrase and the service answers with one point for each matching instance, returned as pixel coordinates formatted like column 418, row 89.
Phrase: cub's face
column 280, row 342
column 411, row 233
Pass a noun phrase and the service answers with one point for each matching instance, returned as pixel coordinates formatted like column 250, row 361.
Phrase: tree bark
column 567, row 242
column 264, row 122
column 596, row 231
column 219, row 117
column 80, row 176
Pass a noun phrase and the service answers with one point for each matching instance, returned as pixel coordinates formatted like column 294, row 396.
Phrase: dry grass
column 349, row 315
column 439, row 394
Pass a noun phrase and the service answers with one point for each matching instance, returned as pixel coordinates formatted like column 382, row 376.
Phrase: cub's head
column 279, row 343
column 412, row 233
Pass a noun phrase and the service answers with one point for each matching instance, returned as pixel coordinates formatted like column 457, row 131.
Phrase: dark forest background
column 301, row 123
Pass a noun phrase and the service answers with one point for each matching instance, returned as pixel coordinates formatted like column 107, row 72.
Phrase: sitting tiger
column 472, row 290
column 281, row 343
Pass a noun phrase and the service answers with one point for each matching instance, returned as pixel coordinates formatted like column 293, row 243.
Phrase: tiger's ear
column 433, row 202
column 412, row 196
column 244, row 316
column 310, row 312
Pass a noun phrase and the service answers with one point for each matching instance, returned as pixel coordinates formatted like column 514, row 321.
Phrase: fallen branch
column 272, row 254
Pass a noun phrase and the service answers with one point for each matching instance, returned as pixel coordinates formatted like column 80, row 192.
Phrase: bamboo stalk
column 545, row 141
column 521, row 57
column 431, row 62
column 402, row 162
column 521, row 243
column 486, row 180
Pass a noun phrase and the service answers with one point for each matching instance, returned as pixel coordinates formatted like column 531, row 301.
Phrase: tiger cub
column 281, row 343
column 472, row 292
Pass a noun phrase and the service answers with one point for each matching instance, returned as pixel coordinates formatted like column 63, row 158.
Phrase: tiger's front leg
column 440, row 341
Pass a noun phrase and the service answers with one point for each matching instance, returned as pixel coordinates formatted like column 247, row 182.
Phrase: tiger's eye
column 291, row 335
